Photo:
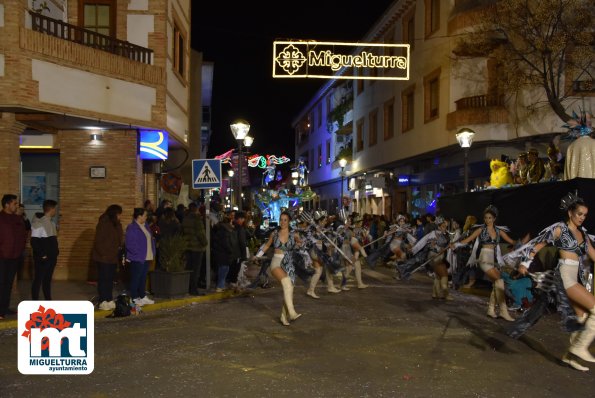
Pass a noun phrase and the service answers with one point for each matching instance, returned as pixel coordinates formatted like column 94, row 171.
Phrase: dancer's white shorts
column 568, row 271
column 486, row 259
column 276, row 261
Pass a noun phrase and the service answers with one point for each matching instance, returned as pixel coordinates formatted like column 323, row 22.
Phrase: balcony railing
column 66, row 31
column 480, row 101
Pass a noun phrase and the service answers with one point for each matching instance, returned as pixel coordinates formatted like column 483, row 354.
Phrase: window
column 319, row 155
column 328, row 151
column 389, row 38
column 409, row 28
column 373, row 130
column 360, row 135
column 179, row 49
column 98, row 16
column 407, row 98
column 320, row 114
column 431, row 95
column 360, row 86
column 432, row 16
column 389, row 119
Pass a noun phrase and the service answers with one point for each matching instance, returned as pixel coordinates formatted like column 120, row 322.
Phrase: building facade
column 404, row 150
column 79, row 81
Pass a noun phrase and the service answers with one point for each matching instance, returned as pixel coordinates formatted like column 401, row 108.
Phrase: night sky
column 238, row 38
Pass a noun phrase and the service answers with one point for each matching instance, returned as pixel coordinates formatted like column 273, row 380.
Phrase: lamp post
column 240, row 129
column 465, row 139
column 230, row 173
column 342, row 163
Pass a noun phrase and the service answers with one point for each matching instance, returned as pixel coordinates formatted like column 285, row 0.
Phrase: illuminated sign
column 153, row 145
column 363, row 61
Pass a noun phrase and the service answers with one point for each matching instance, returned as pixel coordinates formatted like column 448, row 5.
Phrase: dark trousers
column 234, row 270
column 44, row 270
column 194, row 264
column 138, row 278
column 105, row 281
column 8, row 270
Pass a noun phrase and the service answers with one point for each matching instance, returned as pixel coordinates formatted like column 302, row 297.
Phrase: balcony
column 478, row 109
column 66, row 31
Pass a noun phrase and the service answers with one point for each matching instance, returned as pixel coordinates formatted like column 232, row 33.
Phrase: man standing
column 240, row 230
column 196, row 241
column 12, row 244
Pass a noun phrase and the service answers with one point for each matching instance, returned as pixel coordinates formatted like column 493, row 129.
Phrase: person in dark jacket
column 107, row 246
column 240, row 229
column 44, row 242
column 196, row 241
column 140, row 250
column 225, row 250
column 12, row 244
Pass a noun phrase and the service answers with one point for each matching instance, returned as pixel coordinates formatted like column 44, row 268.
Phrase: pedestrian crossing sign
column 206, row 173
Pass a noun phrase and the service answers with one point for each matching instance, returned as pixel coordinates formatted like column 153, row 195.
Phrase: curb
column 166, row 304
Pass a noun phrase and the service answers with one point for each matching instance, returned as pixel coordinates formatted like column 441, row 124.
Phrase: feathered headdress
column 491, row 209
column 579, row 126
column 568, row 200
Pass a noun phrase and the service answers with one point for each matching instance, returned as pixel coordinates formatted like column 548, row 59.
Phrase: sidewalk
column 79, row 290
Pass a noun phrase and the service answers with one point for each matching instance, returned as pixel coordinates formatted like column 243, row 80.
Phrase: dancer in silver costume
column 283, row 240
column 487, row 238
column 573, row 244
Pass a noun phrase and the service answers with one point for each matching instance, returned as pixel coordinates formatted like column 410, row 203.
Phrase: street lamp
column 342, row 163
column 465, row 139
column 240, row 129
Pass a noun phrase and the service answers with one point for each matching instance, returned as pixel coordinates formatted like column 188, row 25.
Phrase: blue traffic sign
column 206, row 173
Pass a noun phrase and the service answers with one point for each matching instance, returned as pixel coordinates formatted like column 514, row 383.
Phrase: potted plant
column 172, row 280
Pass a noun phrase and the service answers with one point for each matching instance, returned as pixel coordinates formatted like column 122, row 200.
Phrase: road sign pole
column 207, row 196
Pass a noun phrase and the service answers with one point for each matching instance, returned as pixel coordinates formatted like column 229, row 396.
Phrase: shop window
column 328, row 151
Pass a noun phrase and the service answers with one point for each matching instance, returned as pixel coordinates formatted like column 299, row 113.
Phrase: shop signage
column 153, row 145
column 362, row 61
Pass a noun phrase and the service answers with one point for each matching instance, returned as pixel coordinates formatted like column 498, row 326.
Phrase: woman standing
column 140, row 250
column 44, row 242
column 226, row 249
column 283, row 240
column 488, row 237
column 573, row 243
column 108, row 242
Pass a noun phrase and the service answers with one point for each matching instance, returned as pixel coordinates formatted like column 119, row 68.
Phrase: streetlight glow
column 240, row 129
column 465, row 137
column 230, row 173
column 248, row 141
column 342, row 162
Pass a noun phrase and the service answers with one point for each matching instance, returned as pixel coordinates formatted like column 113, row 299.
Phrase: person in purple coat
column 140, row 250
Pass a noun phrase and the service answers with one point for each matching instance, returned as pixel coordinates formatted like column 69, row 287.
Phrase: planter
column 170, row 284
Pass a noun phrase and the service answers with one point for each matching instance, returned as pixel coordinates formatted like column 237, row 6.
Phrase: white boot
column 358, row 275
column 492, row 304
column 580, row 346
column 501, row 300
column 313, row 281
column 283, row 319
column 288, row 297
column 445, row 294
column 581, row 319
column 330, row 284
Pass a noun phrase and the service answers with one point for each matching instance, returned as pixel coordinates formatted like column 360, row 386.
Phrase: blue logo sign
column 206, row 173
column 153, row 145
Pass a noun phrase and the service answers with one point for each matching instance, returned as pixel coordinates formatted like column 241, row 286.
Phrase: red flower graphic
column 43, row 319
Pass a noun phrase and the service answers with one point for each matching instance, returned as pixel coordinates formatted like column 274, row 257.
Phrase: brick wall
column 83, row 199
column 10, row 166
